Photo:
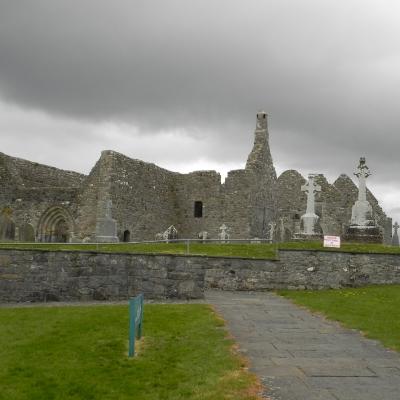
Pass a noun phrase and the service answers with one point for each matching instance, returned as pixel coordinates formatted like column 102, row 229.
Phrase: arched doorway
column 56, row 225
column 127, row 236
column 61, row 232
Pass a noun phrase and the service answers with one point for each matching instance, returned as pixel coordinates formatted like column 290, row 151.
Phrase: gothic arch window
column 198, row 209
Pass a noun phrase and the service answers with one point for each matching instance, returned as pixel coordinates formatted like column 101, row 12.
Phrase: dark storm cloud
column 327, row 72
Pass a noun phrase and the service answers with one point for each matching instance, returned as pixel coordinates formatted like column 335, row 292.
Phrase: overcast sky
column 178, row 83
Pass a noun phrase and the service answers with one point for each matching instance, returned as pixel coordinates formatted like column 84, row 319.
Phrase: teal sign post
column 135, row 322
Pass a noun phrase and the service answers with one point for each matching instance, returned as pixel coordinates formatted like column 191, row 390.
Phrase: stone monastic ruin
column 130, row 200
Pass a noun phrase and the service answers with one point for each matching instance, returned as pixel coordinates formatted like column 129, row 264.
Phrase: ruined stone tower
column 262, row 173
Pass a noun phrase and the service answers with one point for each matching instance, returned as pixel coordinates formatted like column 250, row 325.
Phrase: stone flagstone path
column 301, row 356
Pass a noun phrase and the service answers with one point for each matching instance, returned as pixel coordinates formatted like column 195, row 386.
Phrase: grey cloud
column 327, row 73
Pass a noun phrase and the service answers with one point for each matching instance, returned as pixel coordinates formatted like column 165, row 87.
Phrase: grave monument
column 363, row 227
column 309, row 220
column 106, row 226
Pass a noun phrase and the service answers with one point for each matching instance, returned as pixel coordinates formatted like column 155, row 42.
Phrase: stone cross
column 396, row 227
column 362, row 174
column 311, row 188
column 107, row 209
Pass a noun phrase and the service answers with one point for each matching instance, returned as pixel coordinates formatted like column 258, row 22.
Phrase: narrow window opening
column 127, row 236
column 198, row 209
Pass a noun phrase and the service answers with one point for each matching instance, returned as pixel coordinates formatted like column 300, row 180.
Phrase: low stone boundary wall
column 33, row 275
column 299, row 269
column 79, row 276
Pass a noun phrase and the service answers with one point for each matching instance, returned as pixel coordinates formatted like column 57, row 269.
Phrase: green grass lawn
column 374, row 310
column 345, row 247
column 252, row 250
column 81, row 353
column 244, row 250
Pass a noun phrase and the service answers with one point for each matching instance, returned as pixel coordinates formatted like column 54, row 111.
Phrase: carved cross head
column 363, row 170
column 311, row 186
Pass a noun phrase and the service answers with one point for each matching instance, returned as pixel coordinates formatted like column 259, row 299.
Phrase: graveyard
column 206, row 255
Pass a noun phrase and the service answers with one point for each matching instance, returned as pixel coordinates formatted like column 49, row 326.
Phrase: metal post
column 132, row 333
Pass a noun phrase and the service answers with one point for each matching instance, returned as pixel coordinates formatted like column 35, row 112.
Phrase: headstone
column 395, row 238
column 170, row 234
column 224, row 236
column 106, row 226
column 203, row 235
column 159, row 236
column 310, row 219
column 362, row 226
column 272, row 226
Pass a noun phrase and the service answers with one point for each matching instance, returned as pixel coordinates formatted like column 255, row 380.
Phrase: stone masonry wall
column 29, row 276
column 28, row 189
column 304, row 270
column 72, row 276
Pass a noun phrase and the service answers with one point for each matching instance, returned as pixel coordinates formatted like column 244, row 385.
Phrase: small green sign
column 135, row 322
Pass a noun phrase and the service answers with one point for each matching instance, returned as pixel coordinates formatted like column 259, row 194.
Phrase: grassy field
column 374, row 310
column 81, row 353
column 245, row 250
column 253, row 250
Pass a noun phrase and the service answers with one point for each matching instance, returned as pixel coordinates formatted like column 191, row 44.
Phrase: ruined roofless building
column 46, row 204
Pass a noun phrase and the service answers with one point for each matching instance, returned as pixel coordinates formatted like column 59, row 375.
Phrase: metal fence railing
column 186, row 242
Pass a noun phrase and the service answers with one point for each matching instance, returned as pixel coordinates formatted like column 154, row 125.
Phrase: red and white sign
column 332, row 241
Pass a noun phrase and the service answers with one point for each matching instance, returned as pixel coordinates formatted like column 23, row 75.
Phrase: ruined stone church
column 45, row 204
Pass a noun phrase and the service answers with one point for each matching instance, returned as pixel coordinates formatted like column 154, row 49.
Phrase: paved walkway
column 300, row 356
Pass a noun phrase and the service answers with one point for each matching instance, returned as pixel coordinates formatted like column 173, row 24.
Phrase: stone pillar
column 106, row 226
